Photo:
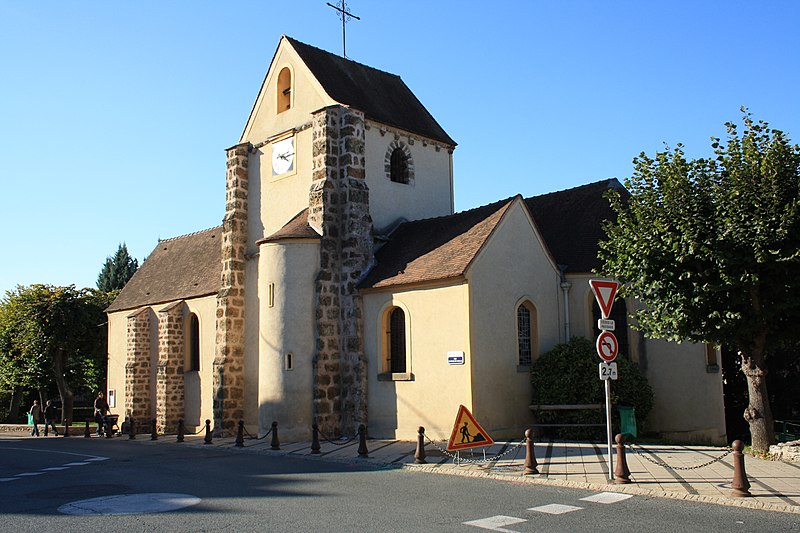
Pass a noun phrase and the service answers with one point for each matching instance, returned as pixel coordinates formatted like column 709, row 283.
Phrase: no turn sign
column 607, row 346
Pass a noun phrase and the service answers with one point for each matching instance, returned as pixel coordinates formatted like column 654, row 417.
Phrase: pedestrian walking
column 36, row 413
column 100, row 412
column 50, row 416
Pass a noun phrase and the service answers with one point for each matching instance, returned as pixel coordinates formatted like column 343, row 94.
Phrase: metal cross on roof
column 345, row 15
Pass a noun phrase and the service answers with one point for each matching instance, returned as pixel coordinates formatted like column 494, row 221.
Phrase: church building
column 342, row 288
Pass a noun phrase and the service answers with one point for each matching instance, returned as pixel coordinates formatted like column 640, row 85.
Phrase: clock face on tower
column 283, row 156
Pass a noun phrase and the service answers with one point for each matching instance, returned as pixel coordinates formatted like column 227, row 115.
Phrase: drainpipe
column 565, row 287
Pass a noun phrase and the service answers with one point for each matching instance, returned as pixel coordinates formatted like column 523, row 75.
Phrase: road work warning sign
column 467, row 433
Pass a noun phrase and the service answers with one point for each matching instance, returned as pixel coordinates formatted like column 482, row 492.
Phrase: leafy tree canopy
column 117, row 270
column 51, row 334
column 712, row 248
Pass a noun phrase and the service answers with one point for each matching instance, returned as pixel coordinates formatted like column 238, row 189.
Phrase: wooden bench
column 570, row 407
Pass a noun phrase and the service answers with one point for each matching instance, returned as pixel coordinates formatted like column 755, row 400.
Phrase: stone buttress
column 228, row 366
column 339, row 211
column 138, row 394
column 169, row 377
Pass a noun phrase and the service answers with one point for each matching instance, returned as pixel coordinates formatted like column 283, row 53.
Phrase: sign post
column 607, row 348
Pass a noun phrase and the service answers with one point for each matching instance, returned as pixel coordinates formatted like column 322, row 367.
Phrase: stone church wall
column 169, row 377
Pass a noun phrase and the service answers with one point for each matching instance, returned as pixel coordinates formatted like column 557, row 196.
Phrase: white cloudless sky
column 114, row 116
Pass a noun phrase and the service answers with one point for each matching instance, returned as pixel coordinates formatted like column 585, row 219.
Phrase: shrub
column 568, row 374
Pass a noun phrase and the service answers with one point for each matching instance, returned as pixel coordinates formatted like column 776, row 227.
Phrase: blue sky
column 114, row 116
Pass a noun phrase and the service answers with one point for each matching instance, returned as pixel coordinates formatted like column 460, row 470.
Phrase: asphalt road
column 234, row 491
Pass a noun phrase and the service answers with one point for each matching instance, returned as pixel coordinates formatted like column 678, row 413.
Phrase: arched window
column 284, row 89
column 619, row 314
column 399, row 166
column 527, row 340
column 194, row 343
column 397, row 341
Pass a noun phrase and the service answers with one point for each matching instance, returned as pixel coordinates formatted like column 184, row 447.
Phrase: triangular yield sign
column 467, row 433
column 604, row 293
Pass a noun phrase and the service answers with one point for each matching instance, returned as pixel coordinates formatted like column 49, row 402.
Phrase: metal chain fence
column 458, row 460
column 253, row 437
column 664, row 464
column 343, row 443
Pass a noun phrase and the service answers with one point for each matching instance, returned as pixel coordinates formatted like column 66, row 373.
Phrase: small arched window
column 399, row 166
column 397, row 341
column 194, row 343
column 284, row 89
column 527, row 341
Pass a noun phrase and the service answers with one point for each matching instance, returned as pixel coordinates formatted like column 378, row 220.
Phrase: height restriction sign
column 607, row 346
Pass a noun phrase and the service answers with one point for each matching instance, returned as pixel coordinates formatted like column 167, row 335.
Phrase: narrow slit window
column 284, row 90
column 397, row 341
column 194, row 343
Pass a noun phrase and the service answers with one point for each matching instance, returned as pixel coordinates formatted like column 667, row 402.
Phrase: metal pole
column 608, row 431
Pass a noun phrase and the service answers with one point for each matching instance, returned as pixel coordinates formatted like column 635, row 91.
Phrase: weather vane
column 345, row 15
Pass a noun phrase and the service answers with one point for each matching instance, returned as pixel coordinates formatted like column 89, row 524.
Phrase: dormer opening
column 284, row 89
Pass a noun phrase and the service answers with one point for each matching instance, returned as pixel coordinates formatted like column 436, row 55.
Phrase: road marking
column 127, row 504
column 55, row 468
column 98, row 458
column 555, row 508
column 76, row 464
column 607, row 497
column 25, row 474
column 8, row 478
column 496, row 523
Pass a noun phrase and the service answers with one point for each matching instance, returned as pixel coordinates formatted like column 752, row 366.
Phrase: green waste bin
column 627, row 422
column 30, row 419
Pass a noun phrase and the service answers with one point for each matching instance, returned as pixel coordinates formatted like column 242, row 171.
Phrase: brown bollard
column 419, row 454
column 362, row 441
column 531, row 466
column 740, row 483
column 154, row 432
column 275, row 444
column 66, row 428
column 622, row 475
column 207, row 440
column 131, row 429
column 315, row 447
column 181, row 430
column 87, row 433
column 240, row 435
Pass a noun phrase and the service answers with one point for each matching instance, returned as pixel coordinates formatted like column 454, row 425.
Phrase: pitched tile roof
column 434, row 248
column 571, row 222
column 381, row 96
column 180, row 268
column 297, row 228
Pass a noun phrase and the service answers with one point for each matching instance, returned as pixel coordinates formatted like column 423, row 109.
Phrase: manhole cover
column 125, row 504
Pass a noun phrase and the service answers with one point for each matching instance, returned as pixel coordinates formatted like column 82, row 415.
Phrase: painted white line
column 54, row 468
column 127, row 504
column 28, row 474
column 607, row 497
column 76, row 464
column 555, row 508
column 98, row 459
column 8, row 478
column 496, row 523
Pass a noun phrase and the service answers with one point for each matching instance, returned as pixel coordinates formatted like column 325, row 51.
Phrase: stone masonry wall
column 228, row 366
column 138, row 396
column 339, row 209
column 169, row 377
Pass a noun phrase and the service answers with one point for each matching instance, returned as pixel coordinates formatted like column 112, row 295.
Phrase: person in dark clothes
column 50, row 415
column 100, row 412
column 36, row 413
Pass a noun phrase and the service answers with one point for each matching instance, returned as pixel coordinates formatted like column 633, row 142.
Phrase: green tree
column 712, row 248
column 117, row 270
column 55, row 334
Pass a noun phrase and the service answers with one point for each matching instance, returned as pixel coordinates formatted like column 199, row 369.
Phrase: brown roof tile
column 434, row 248
column 571, row 222
column 181, row 268
column 297, row 228
column 381, row 96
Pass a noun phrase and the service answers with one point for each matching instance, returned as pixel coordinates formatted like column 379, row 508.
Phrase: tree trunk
column 13, row 411
column 59, row 362
column 758, row 413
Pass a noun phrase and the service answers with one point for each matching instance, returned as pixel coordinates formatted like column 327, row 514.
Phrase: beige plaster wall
column 252, row 320
column 198, row 387
column 512, row 267
column 689, row 403
column 286, row 396
column 430, row 194
column 436, row 323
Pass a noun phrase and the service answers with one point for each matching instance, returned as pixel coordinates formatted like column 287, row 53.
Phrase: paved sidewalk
column 775, row 485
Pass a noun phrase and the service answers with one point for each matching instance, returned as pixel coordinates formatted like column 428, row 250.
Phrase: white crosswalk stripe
column 607, row 497
column 555, row 508
column 496, row 523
